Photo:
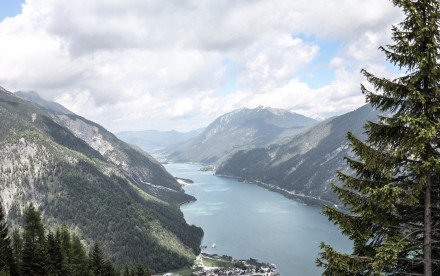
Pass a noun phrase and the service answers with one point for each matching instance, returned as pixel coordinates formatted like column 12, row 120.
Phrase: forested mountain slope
column 145, row 172
column 240, row 129
column 304, row 166
column 101, row 187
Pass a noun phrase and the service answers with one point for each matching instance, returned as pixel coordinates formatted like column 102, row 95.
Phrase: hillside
column 148, row 174
column 102, row 188
column 304, row 166
column 240, row 129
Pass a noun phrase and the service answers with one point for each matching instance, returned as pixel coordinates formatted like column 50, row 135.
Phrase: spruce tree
column 393, row 196
column 126, row 270
column 63, row 234
column 96, row 260
column 108, row 269
column 7, row 264
column 148, row 272
column 55, row 256
column 17, row 248
column 63, row 237
column 140, row 271
column 79, row 260
column 34, row 248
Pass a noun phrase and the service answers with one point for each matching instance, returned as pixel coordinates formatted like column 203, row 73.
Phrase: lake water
column 247, row 221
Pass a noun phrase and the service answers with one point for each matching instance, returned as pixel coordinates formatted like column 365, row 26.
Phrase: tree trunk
column 427, row 259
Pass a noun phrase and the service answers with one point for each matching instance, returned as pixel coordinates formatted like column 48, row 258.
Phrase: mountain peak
column 29, row 94
column 4, row 90
column 35, row 98
column 240, row 129
column 305, row 164
column 275, row 111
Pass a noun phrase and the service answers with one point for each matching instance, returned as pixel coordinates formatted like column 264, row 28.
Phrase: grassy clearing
column 217, row 263
column 183, row 271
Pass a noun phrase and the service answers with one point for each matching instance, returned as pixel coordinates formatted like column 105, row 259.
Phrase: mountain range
column 303, row 166
column 240, row 129
column 76, row 172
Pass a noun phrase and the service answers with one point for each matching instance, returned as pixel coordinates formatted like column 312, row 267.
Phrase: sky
column 179, row 64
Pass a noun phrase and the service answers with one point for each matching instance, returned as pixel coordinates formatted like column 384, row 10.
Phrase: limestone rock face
column 145, row 172
column 76, row 172
column 149, row 175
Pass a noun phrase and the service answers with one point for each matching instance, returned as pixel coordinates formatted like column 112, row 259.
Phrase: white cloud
column 181, row 108
column 265, row 67
column 135, row 64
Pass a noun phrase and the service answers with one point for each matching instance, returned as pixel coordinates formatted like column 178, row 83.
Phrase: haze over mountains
column 33, row 97
column 78, row 173
column 240, row 129
column 154, row 141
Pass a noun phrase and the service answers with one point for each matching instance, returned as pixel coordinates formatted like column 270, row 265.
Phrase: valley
column 214, row 138
column 299, row 160
column 104, row 169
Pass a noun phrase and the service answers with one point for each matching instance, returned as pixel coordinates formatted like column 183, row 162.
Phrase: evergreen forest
column 35, row 250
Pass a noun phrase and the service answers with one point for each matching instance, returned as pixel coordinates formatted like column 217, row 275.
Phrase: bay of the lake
column 247, row 221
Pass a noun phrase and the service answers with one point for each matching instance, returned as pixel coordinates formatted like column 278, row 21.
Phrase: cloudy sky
column 178, row 64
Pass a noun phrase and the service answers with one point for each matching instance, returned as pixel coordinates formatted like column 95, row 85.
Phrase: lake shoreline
column 249, row 221
column 307, row 200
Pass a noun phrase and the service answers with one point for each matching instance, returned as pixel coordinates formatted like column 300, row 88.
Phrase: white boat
column 213, row 245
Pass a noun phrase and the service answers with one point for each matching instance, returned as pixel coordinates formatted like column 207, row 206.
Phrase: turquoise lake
column 247, row 221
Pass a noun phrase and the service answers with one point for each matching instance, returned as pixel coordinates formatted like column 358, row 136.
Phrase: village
column 215, row 265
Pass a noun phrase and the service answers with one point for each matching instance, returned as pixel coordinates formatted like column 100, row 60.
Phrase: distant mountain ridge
column 303, row 166
column 240, row 129
column 154, row 141
column 76, row 172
